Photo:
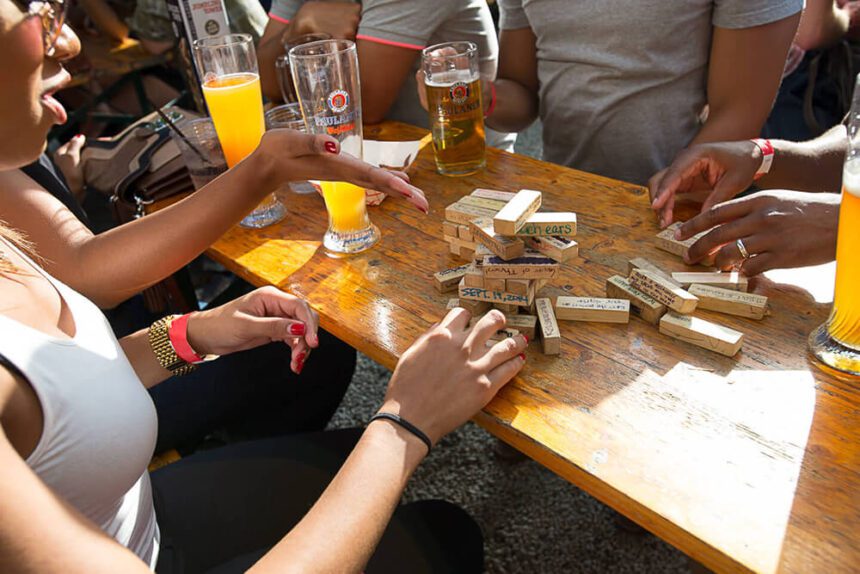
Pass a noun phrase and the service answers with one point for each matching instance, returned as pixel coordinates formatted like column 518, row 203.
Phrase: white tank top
column 99, row 423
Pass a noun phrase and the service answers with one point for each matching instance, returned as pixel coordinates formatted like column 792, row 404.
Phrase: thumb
column 75, row 145
column 300, row 144
column 274, row 328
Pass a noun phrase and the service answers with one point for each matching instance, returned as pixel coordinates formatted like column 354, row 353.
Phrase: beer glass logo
column 459, row 92
column 338, row 101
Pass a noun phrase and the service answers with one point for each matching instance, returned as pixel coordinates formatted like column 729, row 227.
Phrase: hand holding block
column 448, row 279
column 559, row 248
column 592, row 309
column 504, row 196
column 530, row 266
column 730, row 302
column 515, row 213
column 641, row 304
column 561, row 224
column 525, row 324
column 550, row 335
column 733, row 280
column 642, row 263
column 505, row 247
column 667, row 242
column 702, row 333
column 664, row 291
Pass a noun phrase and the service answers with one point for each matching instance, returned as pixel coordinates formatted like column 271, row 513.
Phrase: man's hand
column 780, row 230
column 338, row 19
column 723, row 169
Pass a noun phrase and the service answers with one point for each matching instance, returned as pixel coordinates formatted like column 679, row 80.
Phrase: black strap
column 13, row 368
column 405, row 424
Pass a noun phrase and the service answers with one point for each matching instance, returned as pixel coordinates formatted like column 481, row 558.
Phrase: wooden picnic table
column 745, row 463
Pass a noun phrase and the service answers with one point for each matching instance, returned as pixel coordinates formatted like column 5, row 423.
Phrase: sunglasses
column 52, row 15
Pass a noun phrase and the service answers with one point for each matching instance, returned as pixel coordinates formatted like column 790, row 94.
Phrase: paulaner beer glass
column 231, row 87
column 325, row 75
column 456, row 110
column 837, row 342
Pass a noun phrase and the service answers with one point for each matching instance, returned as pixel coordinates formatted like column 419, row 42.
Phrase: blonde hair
column 17, row 239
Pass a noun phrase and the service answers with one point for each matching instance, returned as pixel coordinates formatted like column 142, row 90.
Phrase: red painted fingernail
column 523, row 356
column 79, row 135
column 300, row 362
column 297, row 329
column 526, row 338
column 330, row 147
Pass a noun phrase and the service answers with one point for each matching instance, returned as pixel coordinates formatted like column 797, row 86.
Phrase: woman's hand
column 449, row 373
column 68, row 159
column 724, row 169
column 289, row 155
column 779, row 229
column 262, row 316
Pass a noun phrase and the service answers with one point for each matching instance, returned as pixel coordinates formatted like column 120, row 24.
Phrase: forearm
column 516, row 107
column 815, row 165
column 341, row 531
column 139, row 353
column 822, row 25
column 270, row 47
column 730, row 124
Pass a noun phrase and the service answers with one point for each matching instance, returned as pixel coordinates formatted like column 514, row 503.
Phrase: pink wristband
column 492, row 106
column 178, row 335
column 766, row 156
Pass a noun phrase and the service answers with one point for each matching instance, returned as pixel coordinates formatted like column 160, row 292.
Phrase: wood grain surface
column 744, row 463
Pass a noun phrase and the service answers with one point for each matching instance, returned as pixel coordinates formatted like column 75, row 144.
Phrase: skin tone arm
column 99, row 266
column 516, row 82
column 741, row 89
column 383, row 70
column 823, row 24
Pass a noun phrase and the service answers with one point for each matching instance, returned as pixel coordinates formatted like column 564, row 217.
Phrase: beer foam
column 450, row 77
column 851, row 177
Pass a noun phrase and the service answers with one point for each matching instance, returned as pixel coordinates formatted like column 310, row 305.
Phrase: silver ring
column 742, row 248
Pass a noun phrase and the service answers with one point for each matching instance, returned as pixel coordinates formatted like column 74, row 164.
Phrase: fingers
column 504, row 351
column 759, row 264
column 456, row 320
column 73, row 147
column 727, row 233
column 717, row 215
column 276, row 303
column 685, row 167
column 485, row 328
column 501, row 375
column 299, row 356
column 729, row 256
column 355, row 171
column 727, row 187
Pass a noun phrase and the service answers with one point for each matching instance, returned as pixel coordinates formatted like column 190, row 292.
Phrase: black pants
column 220, row 510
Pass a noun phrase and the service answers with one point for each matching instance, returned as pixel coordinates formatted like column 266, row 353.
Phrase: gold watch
column 160, row 343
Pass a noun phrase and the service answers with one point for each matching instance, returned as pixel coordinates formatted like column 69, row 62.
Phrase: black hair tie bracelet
column 397, row 419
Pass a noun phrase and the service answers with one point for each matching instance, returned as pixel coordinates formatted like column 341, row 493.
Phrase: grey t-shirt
column 622, row 82
column 416, row 24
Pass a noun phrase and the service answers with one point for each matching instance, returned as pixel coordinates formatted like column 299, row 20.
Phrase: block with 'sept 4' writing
column 514, row 214
column 495, row 297
column 546, row 223
column 592, row 309
column 664, row 291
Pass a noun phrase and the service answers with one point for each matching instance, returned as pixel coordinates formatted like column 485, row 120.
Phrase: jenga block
column 550, row 335
column 449, row 279
column 518, row 286
column 559, row 248
column 642, row 263
column 474, row 276
column 505, row 247
column 729, row 301
column 450, row 229
column 562, row 224
column 508, row 310
column 592, row 309
column 531, row 266
column 667, row 242
column 515, row 213
column 476, row 308
column 493, row 204
column 454, row 249
column 702, row 333
column 467, row 253
column 525, row 324
column 496, row 285
column 461, row 243
column 663, row 291
column 462, row 213
column 465, row 233
column 505, row 196
column 452, row 304
column 641, row 304
column 479, row 294
column 733, row 280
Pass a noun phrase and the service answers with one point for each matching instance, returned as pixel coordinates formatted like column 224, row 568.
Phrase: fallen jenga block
column 733, row 280
column 559, row 248
column 525, row 324
column 505, row 247
column 464, row 232
column 481, row 202
column 592, row 309
column 449, row 279
column 450, row 229
column 702, row 333
column 462, row 213
column 494, row 297
column 515, row 213
column 530, row 266
column 496, row 285
column 663, row 291
column 667, row 242
column 518, row 286
column 493, row 194
column 641, row 304
column 475, row 307
column 549, row 223
column 452, row 304
column 642, row 263
column 550, row 335
column 729, row 301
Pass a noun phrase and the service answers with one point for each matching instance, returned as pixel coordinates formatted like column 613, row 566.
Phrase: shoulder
column 746, row 14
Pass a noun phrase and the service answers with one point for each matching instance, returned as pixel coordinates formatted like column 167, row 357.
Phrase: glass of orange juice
column 325, row 75
column 231, row 87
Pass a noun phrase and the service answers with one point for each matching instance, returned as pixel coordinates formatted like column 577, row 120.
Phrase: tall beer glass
column 231, row 87
column 837, row 342
column 453, row 84
column 325, row 75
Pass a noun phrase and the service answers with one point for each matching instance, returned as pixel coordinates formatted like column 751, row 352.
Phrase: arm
column 271, row 46
column 516, row 82
column 101, row 266
column 742, row 87
column 384, row 68
column 823, row 24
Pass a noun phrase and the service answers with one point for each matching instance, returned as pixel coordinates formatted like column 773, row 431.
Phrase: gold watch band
column 160, row 343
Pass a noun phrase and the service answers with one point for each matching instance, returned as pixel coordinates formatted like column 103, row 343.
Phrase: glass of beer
column 453, row 83
column 325, row 75
column 231, row 87
column 836, row 343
